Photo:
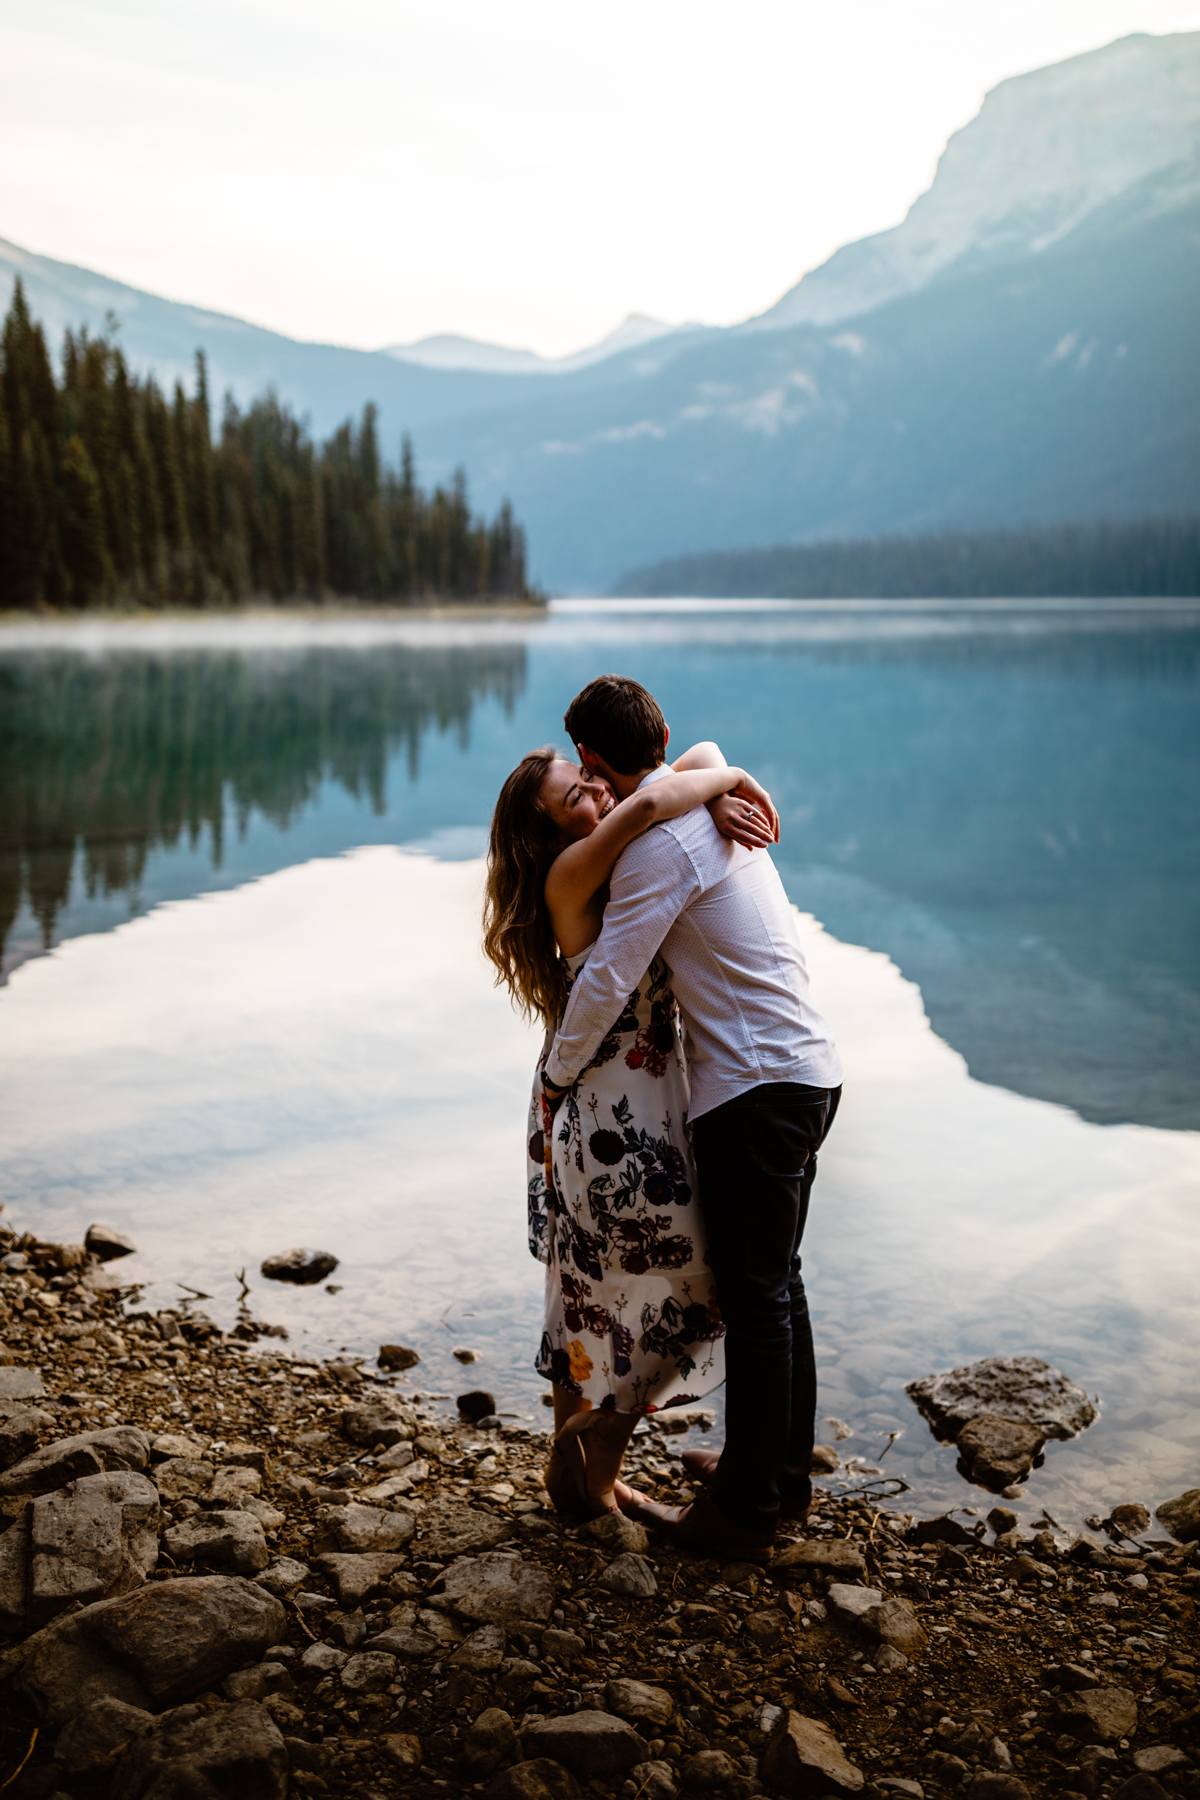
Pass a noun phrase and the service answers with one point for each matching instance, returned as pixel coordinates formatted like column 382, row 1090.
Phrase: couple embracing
column 684, row 1089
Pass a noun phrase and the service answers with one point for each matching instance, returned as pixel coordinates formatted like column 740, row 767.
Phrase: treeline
column 111, row 492
column 1095, row 560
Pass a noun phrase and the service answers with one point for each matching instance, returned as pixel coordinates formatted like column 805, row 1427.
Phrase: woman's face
column 575, row 800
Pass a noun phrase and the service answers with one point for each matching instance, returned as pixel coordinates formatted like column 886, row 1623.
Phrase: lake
column 245, row 1006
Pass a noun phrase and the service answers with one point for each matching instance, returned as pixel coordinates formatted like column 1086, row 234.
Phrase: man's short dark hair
column 621, row 721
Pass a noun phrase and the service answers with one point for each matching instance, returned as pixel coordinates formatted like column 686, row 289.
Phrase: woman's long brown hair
column 518, row 937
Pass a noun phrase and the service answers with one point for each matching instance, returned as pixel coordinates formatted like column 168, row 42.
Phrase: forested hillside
column 113, row 493
column 1096, row 558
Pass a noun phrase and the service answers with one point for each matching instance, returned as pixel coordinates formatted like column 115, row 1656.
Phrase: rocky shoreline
column 228, row 1570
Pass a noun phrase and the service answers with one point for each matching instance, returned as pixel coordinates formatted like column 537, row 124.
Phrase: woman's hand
column 739, row 817
column 749, row 789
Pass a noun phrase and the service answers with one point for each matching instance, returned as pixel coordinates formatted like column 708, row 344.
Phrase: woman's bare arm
column 729, row 819
column 579, row 871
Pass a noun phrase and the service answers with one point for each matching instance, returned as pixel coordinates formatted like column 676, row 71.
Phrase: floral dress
column 631, row 1313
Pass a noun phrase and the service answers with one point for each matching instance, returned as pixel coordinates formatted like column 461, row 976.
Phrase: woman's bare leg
column 566, row 1471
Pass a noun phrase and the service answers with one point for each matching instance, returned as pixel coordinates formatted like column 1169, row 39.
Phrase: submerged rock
column 1181, row 1516
column 105, row 1242
column 995, row 1451
column 475, row 1405
column 397, row 1357
column 301, row 1266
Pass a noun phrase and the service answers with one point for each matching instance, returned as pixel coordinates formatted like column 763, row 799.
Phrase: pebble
column 630, row 1574
column 397, row 1357
column 303, row 1267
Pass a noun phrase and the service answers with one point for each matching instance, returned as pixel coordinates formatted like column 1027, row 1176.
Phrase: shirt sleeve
column 652, row 883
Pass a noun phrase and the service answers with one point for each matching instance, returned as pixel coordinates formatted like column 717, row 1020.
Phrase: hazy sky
column 529, row 171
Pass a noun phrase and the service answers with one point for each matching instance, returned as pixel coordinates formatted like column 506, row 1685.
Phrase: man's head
column 619, row 730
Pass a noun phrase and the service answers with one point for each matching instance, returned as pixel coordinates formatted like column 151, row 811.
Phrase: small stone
column 360, row 1575
column 495, row 1588
column 461, row 1354
column 445, row 1528
column 994, row 1786
column 475, row 1405
column 232, row 1541
column 629, row 1574
column 1101, row 1715
column 202, row 1750
column 403, row 1748
column 368, row 1672
column 183, row 1477
column 825, row 1556
column 490, row 1740
column 565, row 1647
column 363, row 1528
column 397, row 1357
column 1001, row 1519
column 638, row 1701
column 708, row 1769
column 169, row 1444
column 852, row 1603
column 20, row 1431
column 1131, row 1518
column 765, row 1625
column 1181, row 1516
column 825, row 1460
column 804, row 1757
column 616, row 1533
column 323, row 1659
column 283, row 1576
column 232, row 1485
column 1156, row 1759
column 301, row 1266
column 536, row 1779
column 654, row 1781
column 899, row 1784
column 375, row 1422
column 1140, row 1787
column 409, row 1642
column 593, row 1745
column 106, row 1243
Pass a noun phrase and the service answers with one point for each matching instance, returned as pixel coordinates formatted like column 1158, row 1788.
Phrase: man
column 765, row 1084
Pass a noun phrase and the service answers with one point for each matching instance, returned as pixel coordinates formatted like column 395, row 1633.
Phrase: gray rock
column 1181, row 1516
column 851, row 1603
column 169, row 1444
column 301, row 1266
column 639, row 1702
column 359, row 1576
column 284, row 1576
column 357, row 1528
column 823, row 1556
column 412, row 1643
column 629, row 1574
column 617, row 1533
column 995, row 1451
column 232, row 1541
column 233, row 1485
column 105, row 1242
column 536, row 1779
column 709, row 1769
column 490, row 1740
column 1101, row 1715
column 205, row 1753
column 95, row 1537
column 446, row 1529
column 20, row 1431
column 376, row 1421
column 1156, row 1759
column 889, row 1620
column 14, row 1574
column 323, row 1659
column 17, row 1383
column 1015, row 1387
column 184, row 1477
column 483, row 1651
column 154, row 1647
column 654, row 1780
column 803, row 1757
column 462, row 1354
column 259, row 1680
column 368, row 1672
column 593, row 1745
column 496, row 1588
column 477, row 1404
column 397, row 1357
column 94, row 1739
column 1002, row 1519
column 87, row 1453
column 562, row 1646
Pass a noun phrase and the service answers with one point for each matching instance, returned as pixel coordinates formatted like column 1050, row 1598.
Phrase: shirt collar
column 659, row 774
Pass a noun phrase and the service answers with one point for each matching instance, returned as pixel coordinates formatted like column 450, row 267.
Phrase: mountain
column 1048, row 151
column 1021, row 349
column 449, row 352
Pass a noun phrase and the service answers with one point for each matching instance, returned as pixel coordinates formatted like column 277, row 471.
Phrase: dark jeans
column 756, row 1161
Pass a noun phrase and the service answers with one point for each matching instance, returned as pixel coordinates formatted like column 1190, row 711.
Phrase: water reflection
column 103, row 760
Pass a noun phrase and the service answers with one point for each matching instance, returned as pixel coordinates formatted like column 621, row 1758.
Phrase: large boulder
column 1015, row 1387
column 205, row 1753
column 95, row 1537
column 87, row 1453
column 155, row 1647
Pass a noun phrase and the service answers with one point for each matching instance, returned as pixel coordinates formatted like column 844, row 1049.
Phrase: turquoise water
column 244, row 1037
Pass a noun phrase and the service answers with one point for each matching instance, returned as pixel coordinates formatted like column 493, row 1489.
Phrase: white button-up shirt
column 727, row 931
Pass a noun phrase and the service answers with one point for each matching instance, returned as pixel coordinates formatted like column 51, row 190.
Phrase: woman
column 632, row 1324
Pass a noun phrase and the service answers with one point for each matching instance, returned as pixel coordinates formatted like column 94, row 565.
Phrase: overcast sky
column 529, row 171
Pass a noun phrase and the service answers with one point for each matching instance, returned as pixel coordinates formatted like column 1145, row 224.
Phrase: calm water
column 247, row 1038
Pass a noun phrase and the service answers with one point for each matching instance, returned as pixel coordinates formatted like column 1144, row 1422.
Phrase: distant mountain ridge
column 448, row 351
column 1022, row 348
